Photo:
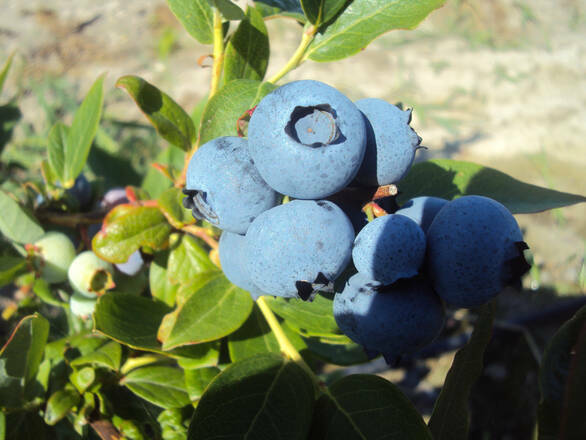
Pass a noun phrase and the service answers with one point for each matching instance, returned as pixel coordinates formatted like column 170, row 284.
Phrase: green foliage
column 177, row 351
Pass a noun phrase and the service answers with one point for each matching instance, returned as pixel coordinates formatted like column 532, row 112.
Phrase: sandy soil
column 500, row 83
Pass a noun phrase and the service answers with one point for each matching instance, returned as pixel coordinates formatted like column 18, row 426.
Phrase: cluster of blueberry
column 309, row 142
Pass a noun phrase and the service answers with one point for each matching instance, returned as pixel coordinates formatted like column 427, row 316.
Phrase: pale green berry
column 54, row 253
column 89, row 275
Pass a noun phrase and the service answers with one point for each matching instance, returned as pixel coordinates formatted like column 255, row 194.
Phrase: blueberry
column 389, row 248
column 422, row 210
column 307, row 139
column 392, row 320
column 81, row 191
column 89, row 275
column 54, row 253
column 113, row 197
column 299, row 247
column 475, row 249
column 132, row 266
column 224, row 187
column 391, row 143
column 232, row 258
column 81, row 305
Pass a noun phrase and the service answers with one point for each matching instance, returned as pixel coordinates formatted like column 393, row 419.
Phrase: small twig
column 106, row 430
column 72, row 220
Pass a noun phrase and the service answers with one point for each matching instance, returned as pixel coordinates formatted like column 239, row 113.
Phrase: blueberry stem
column 297, row 57
column 218, row 52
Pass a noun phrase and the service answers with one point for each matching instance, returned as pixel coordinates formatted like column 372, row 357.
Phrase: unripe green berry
column 89, row 275
column 54, row 252
column 81, row 305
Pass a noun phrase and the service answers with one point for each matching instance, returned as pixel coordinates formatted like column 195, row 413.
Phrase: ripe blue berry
column 422, row 210
column 391, row 143
column 307, row 139
column 389, row 248
column 296, row 248
column 224, row 187
column 393, row 320
column 133, row 265
column 232, row 258
column 475, row 249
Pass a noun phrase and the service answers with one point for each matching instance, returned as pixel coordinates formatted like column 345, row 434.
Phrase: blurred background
column 497, row 82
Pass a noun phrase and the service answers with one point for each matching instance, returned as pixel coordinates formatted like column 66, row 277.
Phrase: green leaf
column 339, row 354
column 160, row 385
column 170, row 204
column 223, row 110
column 59, row 405
column 56, row 148
column 10, row 268
column 197, row 18
column 16, row 223
column 363, row 406
column 252, row 338
column 108, row 355
column 82, row 132
column 264, row 396
column 321, row 11
column 3, row 75
column 161, row 287
column 43, row 290
column 309, row 319
column 187, row 259
column 197, row 379
column 83, row 379
column 134, row 321
column 450, row 179
column 363, row 21
column 558, row 368
column 169, row 119
column 9, row 116
column 247, row 53
column 211, row 308
column 229, row 10
column 202, row 355
column 126, row 229
column 154, row 182
column 284, row 8
column 450, row 418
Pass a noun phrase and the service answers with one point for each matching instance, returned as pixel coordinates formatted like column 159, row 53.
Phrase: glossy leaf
column 187, row 259
column 82, row 132
column 82, row 379
column 202, row 355
column 450, row 179
column 309, row 319
column 56, row 147
column 197, row 18
column 134, row 321
column 169, row 119
column 284, row 8
column 363, row 21
column 247, row 53
column 321, row 11
column 60, row 403
column 223, row 110
column 253, row 337
column 154, row 182
column 170, row 204
column 108, row 355
column 450, row 418
column 126, row 229
column 160, row 385
column 229, row 10
column 43, row 290
column 16, row 223
column 211, row 308
column 264, row 396
column 365, row 406
column 161, row 287
column 557, row 367
column 197, row 379
column 10, row 268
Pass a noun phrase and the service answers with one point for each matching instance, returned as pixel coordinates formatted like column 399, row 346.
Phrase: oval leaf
column 108, row 355
column 211, row 309
column 197, row 18
column 16, row 223
column 169, row 119
column 10, row 268
column 197, row 379
column 450, row 418
column 365, row 406
column 160, row 385
column 254, row 337
column 223, row 110
column 229, row 10
column 56, row 147
column 247, row 53
column 82, row 132
column 363, row 21
column 59, row 405
column 261, row 397
column 321, row 11
column 187, row 259
column 136, row 226
column 161, row 287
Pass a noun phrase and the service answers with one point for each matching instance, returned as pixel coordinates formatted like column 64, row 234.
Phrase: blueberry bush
column 284, row 230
